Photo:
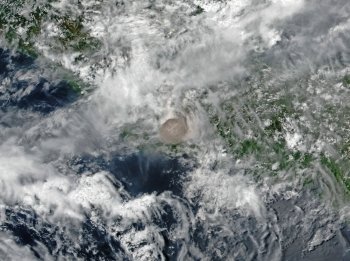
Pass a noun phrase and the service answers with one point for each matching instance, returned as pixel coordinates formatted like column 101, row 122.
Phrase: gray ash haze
column 175, row 130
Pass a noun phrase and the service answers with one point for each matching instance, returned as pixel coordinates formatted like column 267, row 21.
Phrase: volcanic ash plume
column 173, row 130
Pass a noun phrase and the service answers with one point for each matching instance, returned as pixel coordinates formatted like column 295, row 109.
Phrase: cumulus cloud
column 156, row 58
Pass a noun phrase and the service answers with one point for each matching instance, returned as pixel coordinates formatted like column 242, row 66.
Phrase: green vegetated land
column 23, row 24
column 346, row 80
column 254, row 124
column 266, row 144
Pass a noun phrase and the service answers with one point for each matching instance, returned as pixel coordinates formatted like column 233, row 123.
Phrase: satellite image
column 175, row 130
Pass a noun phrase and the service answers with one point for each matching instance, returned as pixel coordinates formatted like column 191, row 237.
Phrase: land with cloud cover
column 257, row 169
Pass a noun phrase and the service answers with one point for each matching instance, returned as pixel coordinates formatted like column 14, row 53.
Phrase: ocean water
column 262, row 173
